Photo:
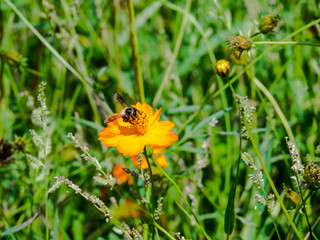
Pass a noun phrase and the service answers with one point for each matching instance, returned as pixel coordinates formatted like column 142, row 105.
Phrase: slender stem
column 76, row 73
column 174, row 55
column 209, row 96
column 185, row 200
column 152, row 183
column 277, row 108
column 135, row 53
column 229, row 225
column 286, row 43
column 269, row 179
column 46, row 175
column 163, row 230
column 303, row 202
column 1, row 75
column 185, row 212
column 276, row 228
column 153, row 195
column 231, row 87
column 44, row 41
column 297, row 210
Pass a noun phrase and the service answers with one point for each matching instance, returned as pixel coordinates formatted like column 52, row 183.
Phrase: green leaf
column 229, row 214
column 22, row 225
column 89, row 123
column 186, row 109
column 204, row 123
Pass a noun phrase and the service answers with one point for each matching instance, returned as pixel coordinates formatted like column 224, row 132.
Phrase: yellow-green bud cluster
column 5, row 152
column 268, row 23
column 223, row 68
column 292, row 196
column 240, row 43
column 312, row 175
column 19, row 144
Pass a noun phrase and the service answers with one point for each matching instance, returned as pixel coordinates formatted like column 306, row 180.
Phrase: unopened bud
column 268, row 23
column 312, row 175
column 240, row 43
column 223, row 68
column 292, row 196
column 149, row 151
column 12, row 57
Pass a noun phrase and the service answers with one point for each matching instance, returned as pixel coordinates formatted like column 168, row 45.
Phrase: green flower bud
column 240, row 43
column 149, row 151
column 19, row 143
column 12, row 57
column 223, row 68
column 292, row 196
column 268, row 23
column 312, row 175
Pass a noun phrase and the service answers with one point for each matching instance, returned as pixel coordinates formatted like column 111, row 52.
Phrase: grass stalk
column 174, row 55
column 135, row 53
column 275, row 191
column 153, row 195
column 277, row 108
column 163, row 230
column 185, row 200
column 286, row 43
column 210, row 96
column 76, row 73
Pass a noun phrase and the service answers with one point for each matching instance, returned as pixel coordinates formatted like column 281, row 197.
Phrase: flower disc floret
column 131, row 137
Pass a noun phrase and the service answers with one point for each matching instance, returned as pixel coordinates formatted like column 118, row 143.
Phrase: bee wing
column 118, row 98
column 111, row 119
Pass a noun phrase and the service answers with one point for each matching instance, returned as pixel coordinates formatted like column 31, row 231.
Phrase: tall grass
column 162, row 53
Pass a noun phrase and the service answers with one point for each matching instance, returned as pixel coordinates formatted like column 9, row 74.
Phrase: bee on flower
column 135, row 127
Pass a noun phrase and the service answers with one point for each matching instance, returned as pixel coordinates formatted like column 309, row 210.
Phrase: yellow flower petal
column 154, row 118
column 157, row 138
column 131, row 145
column 163, row 125
column 120, row 175
column 162, row 161
column 157, row 150
column 110, row 141
column 144, row 108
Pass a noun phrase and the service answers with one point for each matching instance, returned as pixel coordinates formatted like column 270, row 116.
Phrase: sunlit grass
column 163, row 53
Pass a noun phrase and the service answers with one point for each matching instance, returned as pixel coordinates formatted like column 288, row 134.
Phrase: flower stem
column 229, row 213
column 76, row 72
column 153, row 196
column 270, row 180
column 209, row 95
column 185, row 200
column 277, row 108
column 299, row 206
column 163, row 230
column 174, row 55
column 135, row 53
column 286, row 43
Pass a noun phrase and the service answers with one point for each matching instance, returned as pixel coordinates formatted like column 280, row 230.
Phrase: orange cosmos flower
column 146, row 129
column 160, row 159
column 121, row 175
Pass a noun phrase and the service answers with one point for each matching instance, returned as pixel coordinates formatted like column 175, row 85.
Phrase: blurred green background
column 93, row 37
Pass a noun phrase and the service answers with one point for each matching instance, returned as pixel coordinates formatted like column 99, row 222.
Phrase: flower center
column 140, row 122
